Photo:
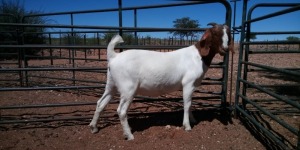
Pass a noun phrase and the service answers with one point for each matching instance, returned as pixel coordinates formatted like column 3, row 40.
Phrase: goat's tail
column 111, row 46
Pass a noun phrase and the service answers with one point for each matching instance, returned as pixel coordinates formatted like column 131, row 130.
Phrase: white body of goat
column 153, row 73
column 150, row 73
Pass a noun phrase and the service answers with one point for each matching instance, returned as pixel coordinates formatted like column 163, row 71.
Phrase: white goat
column 153, row 73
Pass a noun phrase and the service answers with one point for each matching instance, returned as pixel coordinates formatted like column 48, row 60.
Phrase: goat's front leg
column 188, row 90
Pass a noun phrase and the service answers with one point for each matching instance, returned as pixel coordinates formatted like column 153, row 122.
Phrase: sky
column 163, row 17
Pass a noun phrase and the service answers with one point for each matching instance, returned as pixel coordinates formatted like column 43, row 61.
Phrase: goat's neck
column 206, row 59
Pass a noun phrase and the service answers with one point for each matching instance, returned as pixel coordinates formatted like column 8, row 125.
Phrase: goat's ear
column 205, row 43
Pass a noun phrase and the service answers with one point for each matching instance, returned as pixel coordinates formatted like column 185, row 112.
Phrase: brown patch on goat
column 204, row 44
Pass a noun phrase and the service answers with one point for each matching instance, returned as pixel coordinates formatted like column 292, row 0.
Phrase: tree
column 185, row 23
column 292, row 38
column 77, row 38
column 11, row 33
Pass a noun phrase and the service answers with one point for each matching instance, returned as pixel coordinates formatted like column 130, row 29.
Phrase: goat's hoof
column 93, row 129
column 187, row 128
column 129, row 137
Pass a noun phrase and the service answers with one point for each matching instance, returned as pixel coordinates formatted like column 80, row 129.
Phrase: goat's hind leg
column 126, row 99
column 122, row 111
column 101, row 104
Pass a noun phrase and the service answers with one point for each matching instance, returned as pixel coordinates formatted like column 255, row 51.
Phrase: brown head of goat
column 216, row 39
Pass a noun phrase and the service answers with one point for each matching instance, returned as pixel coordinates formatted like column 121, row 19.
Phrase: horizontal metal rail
column 273, row 51
column 215, row 81
column 272, row 100
column 74, row 87
column 47, row 105
column 282, row 98
column 93, row 47
column 131, row 8
column 66, row 79
column 269, row 42
column 294, row 69
column 8, row 63
column 12, row 80
column 99, row 70
column 266, row 112
column 48, row 120
column 288, row 72
column 275, row 32
column 70, row 32
column 279, row 85
column 49, row 88
column 50, row 69
column 133, row 29
column 9, row 53
column 294, row 7
column 66, row 58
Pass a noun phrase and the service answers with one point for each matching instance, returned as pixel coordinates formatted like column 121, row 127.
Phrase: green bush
column 11, row 35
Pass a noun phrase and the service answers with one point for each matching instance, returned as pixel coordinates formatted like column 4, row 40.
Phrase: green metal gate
column 267, row 89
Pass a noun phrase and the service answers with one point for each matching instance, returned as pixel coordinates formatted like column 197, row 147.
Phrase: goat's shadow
column 175, row 118
column 258, row 133
column 137, row 121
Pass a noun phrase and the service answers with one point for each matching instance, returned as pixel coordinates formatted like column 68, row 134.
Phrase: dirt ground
column 214, row 129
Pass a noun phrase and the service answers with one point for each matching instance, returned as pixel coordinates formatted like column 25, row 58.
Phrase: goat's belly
column 157, row 90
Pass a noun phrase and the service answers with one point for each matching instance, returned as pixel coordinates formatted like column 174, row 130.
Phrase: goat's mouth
column 223, row 51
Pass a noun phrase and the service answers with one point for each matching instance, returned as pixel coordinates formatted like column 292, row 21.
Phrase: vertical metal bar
column 226, row 59
column 60, row 44
column 231, row 66
column 246, row 58
column 73, row 50
column 20, row 58
column 69, row 42
column 84, row 43
column 135, row 25
column 120, row 17
column 18, row 50
column 239, row 73
column 50, row 42
column 24, row 63
column 98, row 42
